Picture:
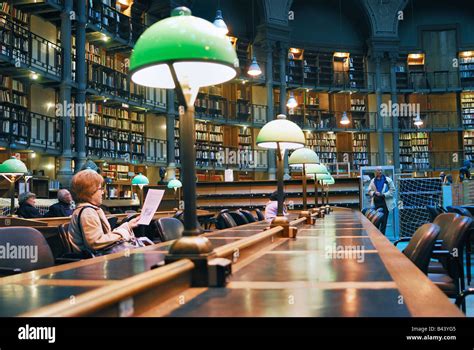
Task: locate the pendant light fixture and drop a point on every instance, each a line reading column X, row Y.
column 254, row 68
column 345, row 119
column 292, row 103
column 219, row 21
column 418, row 121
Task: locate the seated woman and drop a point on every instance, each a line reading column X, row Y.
column 89, row 228
column 27, row 209
column 271, row 208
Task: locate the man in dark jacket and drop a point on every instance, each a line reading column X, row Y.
column 63, row 207
column 27, row 209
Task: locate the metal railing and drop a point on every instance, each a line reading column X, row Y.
column 155, row 150
column 24, row 47
column 114, row 22
column 22, row 127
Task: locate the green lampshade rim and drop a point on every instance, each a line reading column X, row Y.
column 169, row 63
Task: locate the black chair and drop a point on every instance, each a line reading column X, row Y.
column 451, row 278
column 465, row 212
column 238, row 217
column 169, row 229
column 460, row 211
column 377, row 219
column 421, row 245
column 260, row 216
column 248, row 215
column 179, row 215
column 371, row 214
column 364, row 210
column 224, row 220
column 433, row 211
column 26, row 237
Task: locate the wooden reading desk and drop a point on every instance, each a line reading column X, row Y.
column 272, row 276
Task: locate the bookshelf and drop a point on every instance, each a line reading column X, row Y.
column 295, row 66
column 245, row 140
column 324, row 144
column 414, row 151
column 14, row 114
column 468, row 142
column 116, row 132
column 466, row 68
column 467, row 109
column 176, row 141
column 118, row 178
column 356, row 71
column 210, row 103
column 401, row 72
column 360, row 150
column 19, row 17
column 209, row 141
column 359, row 111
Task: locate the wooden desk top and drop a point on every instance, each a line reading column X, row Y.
column 272, row 276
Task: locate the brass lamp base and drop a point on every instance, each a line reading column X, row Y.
column 282, row 221
column 199, row 250
column 306, row 214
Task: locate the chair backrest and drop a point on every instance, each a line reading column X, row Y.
column 238, row 217
column 260, row 216
column 169, row 229
column 421, row 245
column 462, row 211
column 33, row 252
column 364, row 210
column 64, row 238
column 113, row 221
column 370, row 214
column 445, row 221
column 433, row 212
column 179, row 215
column 248, row 215
column 224, row 220
column 377, row 218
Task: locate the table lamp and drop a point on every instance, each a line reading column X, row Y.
column 281, row 134
column 176, row 185
column 12, row 170
column 322, row 178
column 300, row 158
column 327, row 183
column 140, row 181
column 184, row 52
column 316, row 169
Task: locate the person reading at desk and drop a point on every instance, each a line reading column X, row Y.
column 271, row 208
column 27, row 209
column 89, row 229
column 64, row 206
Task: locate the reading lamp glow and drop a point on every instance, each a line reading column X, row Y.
column 280, row 134
column 12, row 170
column 175, row 184
column 184, row 52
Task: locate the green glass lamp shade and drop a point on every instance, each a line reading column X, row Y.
column 283, row 132
column 331, row 181
column 316, row 169
column 199, row 53
column 323, row 177
column 303, row 156
column 140, row 180
column 175, row 183
column 13, row 166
